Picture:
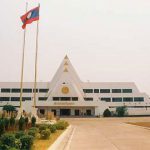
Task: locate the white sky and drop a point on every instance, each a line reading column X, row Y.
column 106, row 40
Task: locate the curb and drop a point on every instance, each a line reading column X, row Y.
column 59, row 139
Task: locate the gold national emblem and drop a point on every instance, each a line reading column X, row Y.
column 65, row 90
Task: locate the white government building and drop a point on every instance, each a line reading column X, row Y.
column 67, row 95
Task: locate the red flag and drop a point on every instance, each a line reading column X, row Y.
column 30, row 16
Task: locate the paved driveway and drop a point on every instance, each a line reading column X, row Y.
column 106, row 134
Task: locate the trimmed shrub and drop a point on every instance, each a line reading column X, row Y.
column 107, row 113
column 42, row 127
column 19, row 134
column 26, row 121
column 121, row 111
column 21, row 123
column 6, row 122
column 2, row 126
column 34, row 128
column 33, row 121
column 17, row 144
column 45, row 134
column 26, row 142
column 32, row 132
column 8, row 139
column 52, row 128
column 12, row 121
column 61, row 125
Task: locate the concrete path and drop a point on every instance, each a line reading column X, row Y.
column 106, row 134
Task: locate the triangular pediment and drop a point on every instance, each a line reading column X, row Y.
column 67, row 79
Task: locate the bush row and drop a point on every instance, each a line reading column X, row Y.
column 24, row 140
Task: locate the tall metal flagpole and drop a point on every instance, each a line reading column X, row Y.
column 22, row 67
column 35, row 75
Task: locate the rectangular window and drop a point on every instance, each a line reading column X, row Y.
column 36, row 90
column 116, row 90
column 88, row 90
column 88, row 99
column 26, row 98
column 65, row 98
column 42, row 98
column 15, row 98
column 43, row 90
column 27, row 90
column 104, row 90
column 5, row 90
column 55, row 98
column 128, row 99
column 74, row 98
column 117, row 99
column 15, row 90
column 106, row 99
column 139, row 99
column 4, row 98
column 96, row 90
column 127, row 90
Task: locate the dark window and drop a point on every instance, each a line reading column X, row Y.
column 116, row 99
column 55, row 98
column 106, row 99
column 15, row 90
column 88, row 99
column 116, row 90
column 128, row 99
column 65, row 98
column 4, row 98
column 138, row 99
column 27, row 90
column 5, row 90
column 43, row 90
column 15, row 98
column 26, row 98
column 127, row 90
column 96, row 90
column 74, row 98
column 42, row 111
column 104, row 90
column 42, row 98
column 88, row 90
column 36, row 90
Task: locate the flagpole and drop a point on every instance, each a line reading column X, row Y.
column 22, row 66
column 36, row 58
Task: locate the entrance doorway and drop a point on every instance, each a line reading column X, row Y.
column 77, row 112
column 88, row 112
column 65, row 112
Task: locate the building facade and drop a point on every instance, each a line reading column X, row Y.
column 67, row 95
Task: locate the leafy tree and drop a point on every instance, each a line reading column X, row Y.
column 107, row 113
column 9, row 108
column 121, row 111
